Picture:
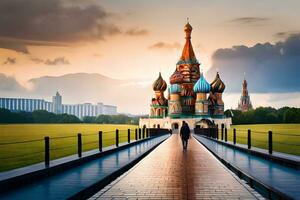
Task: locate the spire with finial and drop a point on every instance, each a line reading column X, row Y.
column 188, row 52
column 245, row 90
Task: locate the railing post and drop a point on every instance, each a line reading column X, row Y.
column 234, row 136
column 136, row 134
column 214, row 132
column 270, row 142
column 117, row 137
column 128, row 135
column 222, row 132
column 147, row 132
column 79, row 145
column 217, row 132
column 140, row 133
column 47, row 151
column 225, row 134
column 249, row 139
column 143, row 133
column 100, row 141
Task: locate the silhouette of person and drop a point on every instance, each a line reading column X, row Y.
column 184, row 134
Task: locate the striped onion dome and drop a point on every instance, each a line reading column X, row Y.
column 175, row 88
column 201, row 86
column 159, row 84
column 217, row 85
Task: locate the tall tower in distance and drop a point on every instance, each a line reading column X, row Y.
column 57, row 103
column 244, row 103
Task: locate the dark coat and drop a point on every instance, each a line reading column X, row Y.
column 185, row 132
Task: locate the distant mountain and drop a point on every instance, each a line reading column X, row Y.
column 74, row 84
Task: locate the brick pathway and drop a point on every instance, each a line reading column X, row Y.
column 171, row 173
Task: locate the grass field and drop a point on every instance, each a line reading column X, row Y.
column 63, row 141
column 286, row 137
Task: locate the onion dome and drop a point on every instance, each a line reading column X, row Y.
column 188, row 28
column 201, row 86
column 176, row 77
column 175, row 88
column 217, row 85
column 159, row 84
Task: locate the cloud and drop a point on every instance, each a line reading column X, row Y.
column 57, row 61
column 137, row 32
column 10, row 61
column 286, row 34
column 37, row 60
column 250, row 20
column 8, row 83
column 268, row 67
column 164, row 45
column 97, row 55
column 52, row 21
column 20, row 45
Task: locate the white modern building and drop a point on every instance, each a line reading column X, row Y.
column 56, row 106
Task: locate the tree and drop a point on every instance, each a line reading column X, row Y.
column 265, row 115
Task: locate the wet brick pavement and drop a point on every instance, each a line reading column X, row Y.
column 171, row 173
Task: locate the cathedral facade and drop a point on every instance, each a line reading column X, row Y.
column 190, row 97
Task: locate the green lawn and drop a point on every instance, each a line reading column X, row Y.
column 286, row 137
column 22, row 154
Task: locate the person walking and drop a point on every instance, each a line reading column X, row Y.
column 185, row 134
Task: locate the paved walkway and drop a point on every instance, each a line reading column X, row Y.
column 171, row 173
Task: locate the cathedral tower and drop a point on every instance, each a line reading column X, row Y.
column 159, row 104
column 245, row 103
column 188, row 67
column 216, row 103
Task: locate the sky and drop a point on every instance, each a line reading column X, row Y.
column 134, row 40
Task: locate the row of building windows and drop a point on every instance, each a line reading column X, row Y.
column 82, row 110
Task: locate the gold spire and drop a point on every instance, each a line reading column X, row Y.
column 188, row 52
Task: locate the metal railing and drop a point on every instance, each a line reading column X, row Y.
column 61, row 146
column 252, row 138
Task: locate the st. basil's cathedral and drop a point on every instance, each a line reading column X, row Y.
column 190, row 97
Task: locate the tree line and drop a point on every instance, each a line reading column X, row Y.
column 260, row 115
column 265, row 115
column 43, row 116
